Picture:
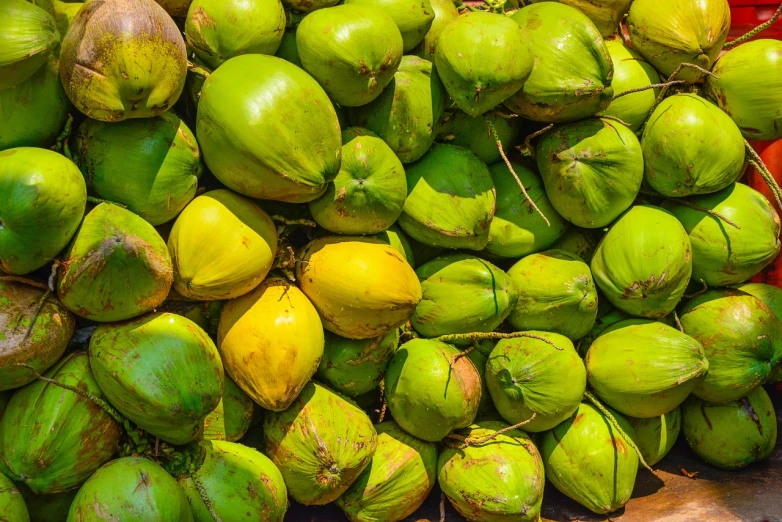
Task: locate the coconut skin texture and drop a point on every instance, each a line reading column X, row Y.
column 12, row 504
column 97, row 51
column 655, row 436
column 397, row 239
column 413, row 17
column 606, row 15
column 731, row 435
column 28, row 35
column 473, row 132
column 233, row 415
column 53, row 439
column 445, row 12
column 48, row 337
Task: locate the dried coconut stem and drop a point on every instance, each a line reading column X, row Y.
column 530, row 137
column 384, row 406
column 478, row 336
column 678, row 322
column 762, row 27
column 614, row 118
column 649, row 87
column 667, row 85
column 464, row 353
column 757, row 162
column 699, row 292
column 23, row 280
column 204, row 496
column 442, row 506
column 704, row 210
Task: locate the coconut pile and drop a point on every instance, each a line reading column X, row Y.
column 257, row 252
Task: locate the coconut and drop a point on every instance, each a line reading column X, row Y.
column 408, row 111
column 217, row 31
column 578, row 241
column 451, row 199
column 397, row 239
column 307, row 6
column 556, row 294
column 722, row 254
column 383, row 290
column 541, row 375
column 131, row 485
column 499, row 480
column 237, row 480
column 53, row 439
column 746, row 84
column 123, row 59
column 518, row 229
column 36, row 330
column 644, row 368
column 44, row 197
column 592, row 170
column 480, row 358
column 151, row 166
column 223, row 245
column 117, row 267
column 462, row 294
column 271, row 341
column 356, row 366
column 369, row 191
column 176, row 8
column 570, row 80
column 644, row 274
column 770, row 295
column 33, row 112
column 353, row 51
column 12, row 504
column 475, row 133
column 161, row 371
column 731, row 435
column 412, row 17
column 606, row 15
column 233, row 415
column 321, row 444
column 483, row 59
column 445, row 12
column 397, row 480
column 288, row 50
column 742, row 339
column 691, row 147
column 655, row 436
column 671, row 32
column 429, row 391
column 589, row 461
column 28, row 35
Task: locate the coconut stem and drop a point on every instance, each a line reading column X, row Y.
column 614, row 118
column 290, row 222
column 384, row 406
column 528, row 140
column 597, row 404
column 464, row 353
column 467, row 442
column 24, row 280
column 197, row 69
column 678, row 322
column 496, row 137
column 479, row 336
column 699, row 292
column 667, row 85
column 757, row 162
column 204, row 497
column 705, row 210
column 61, row 143
column 98, row 201
column 648, row 87
column 442, row 506
column 762, row 27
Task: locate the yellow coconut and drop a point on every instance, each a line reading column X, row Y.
column 271, row 341
column 222, row 246
column 361, row 286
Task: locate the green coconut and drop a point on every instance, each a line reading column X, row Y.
column 321, row 444
column 722, row 254
column 498, row 481
column 33, row 112
column 47, row 508
column 28, row 35
column 655, row 436
column 307, row 6
column 36, row 329
column 240, row 482
column 606, row 15
column 742, row 339
column 397, row 480
column 746, row 84
column 134, row 488
column 150, row 165
column 475, row 133
column 579, row 241
column 691, row 147
column 770, row 295
column 541, row 376
column 117, row 267
column 671, row 32
column 731, row 435
column 394, row 236
column 556, row 294
column 44, row 197
column 517, row 229
column 589, row 461
column 607, row 316
column 356, row 366
column 252, row 129
column 644, row 274
column 412, row 17
column 288, row 50
column 644, row 368
column 592, row 170
column 570, row 80
column 450, row 200
column 445, row 12
column 462, row 294
column 233, row 415
column 408, row 111
column 123, row 59
column 429, row 391
column 369, row 191
column 353, row 51
column 161, row 371
column 631, row 71
column 12, row 504
column 53, row 439
column 483, row 59
column 219, row 30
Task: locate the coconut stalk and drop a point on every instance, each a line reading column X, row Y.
column 762, row 27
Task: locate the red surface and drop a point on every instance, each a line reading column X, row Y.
column 748, row 14
column 771, row 153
